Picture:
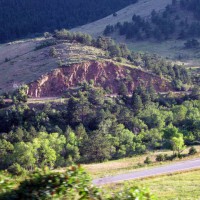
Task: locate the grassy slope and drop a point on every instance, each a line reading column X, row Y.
column 183, row 186
column 26, row 65
column 142, row 8
column 129, row 164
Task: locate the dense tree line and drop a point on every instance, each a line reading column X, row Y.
column 162, row 25
column 90, row 127
column 177, row 74
column 20, row 18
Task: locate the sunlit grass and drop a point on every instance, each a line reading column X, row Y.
column 181, row 186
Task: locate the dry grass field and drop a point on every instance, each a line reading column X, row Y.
column 130, row 164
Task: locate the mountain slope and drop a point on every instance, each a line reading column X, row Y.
column 171, row 48
column 21, row 63
column 50, row 66
column 142, row 8
column 19, row 18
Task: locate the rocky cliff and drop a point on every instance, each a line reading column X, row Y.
column 106, row 74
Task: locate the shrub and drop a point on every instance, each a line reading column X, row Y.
column 180, row 156
column 44, row 44
column 60, row 63
column 73, row 184
column 160, row 157
column 166, row 156
column 64, row 35
column 7, row 59
column 2, row 102
column 47, row 35
column 192, row 151
column 20, row 95
column 54, row 185
column 147, row 160
column 6, row 183
column 133, row 193
column 172, row 157
column 16, row 169
column 53, row 52
column 119, row 59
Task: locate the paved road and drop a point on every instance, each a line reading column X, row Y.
column 180, row 166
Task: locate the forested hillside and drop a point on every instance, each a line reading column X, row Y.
column 90, row 127
column 21, row 17
column 179, row 20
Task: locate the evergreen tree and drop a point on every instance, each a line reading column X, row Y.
column 137, row 103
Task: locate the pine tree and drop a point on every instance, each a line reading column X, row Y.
column 137, row 103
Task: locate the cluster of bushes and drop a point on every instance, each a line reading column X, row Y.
column 106, row 44
column 166, row 157
column 162, row 158
column 73, row 184
column 20, row 94
column 45, row 43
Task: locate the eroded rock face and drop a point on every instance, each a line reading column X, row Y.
column 106, row 74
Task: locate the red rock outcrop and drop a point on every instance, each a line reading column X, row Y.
column 105, row 74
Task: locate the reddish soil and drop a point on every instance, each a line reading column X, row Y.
column 106, row 74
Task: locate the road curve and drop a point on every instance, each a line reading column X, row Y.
column 176, row 167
